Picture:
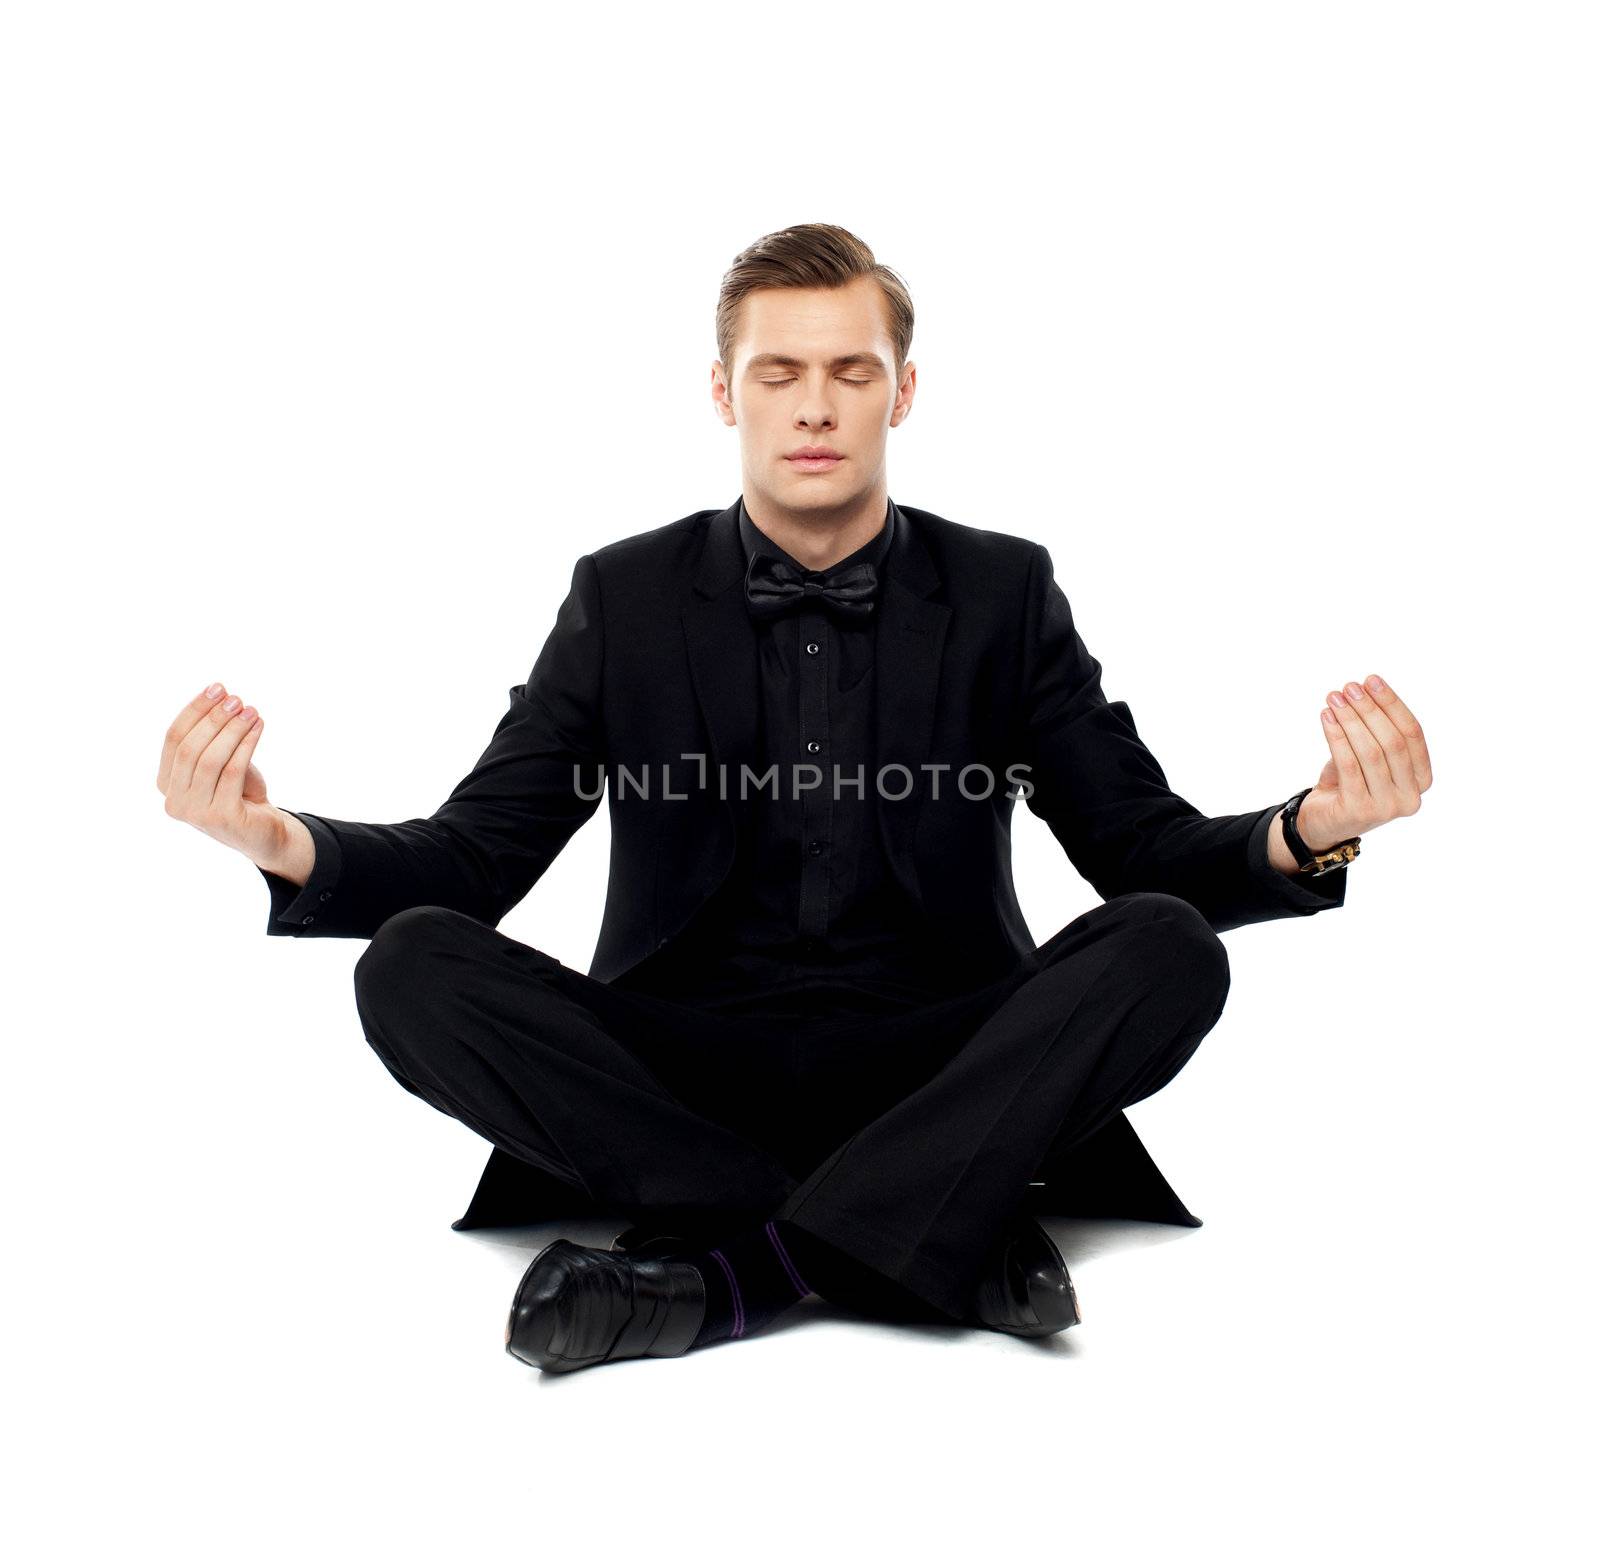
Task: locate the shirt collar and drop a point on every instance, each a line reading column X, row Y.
column 876, row 550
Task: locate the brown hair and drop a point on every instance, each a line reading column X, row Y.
column 815, row 254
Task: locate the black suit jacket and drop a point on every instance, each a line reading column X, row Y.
column 649, row 676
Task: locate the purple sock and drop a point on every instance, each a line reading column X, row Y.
column 750, row 1277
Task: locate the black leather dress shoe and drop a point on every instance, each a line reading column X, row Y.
column 1025, row 1287
column 581, row 1305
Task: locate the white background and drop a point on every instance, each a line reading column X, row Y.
column 334, row 334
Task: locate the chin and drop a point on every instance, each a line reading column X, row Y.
column 822, row 497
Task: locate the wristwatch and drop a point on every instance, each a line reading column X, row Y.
column 1336, row 857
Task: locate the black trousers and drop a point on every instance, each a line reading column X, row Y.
column 899, row 1143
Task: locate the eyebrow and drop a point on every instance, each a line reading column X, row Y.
column 772, row 359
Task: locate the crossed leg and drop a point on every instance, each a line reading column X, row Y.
column 616, row 1092
column 946, row 1111
column 1101, row 1015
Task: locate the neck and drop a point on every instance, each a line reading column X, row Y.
column 818, row 537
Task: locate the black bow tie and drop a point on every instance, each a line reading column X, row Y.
column 772, row 586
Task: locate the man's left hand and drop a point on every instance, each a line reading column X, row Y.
column 1379, row 767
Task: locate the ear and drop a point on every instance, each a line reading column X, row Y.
column 722, row 395
column 904, row 394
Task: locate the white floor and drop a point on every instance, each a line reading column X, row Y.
column 238, row 1320
column 330, row 1385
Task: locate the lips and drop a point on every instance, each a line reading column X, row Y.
column 813, row 455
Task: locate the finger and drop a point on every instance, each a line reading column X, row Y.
column 1393, row 743
column 1352, row 785
column 230, row 780
column 189, row 749
column 181, row 725
column 209, row 765
column 1401, row 716
column 1378, row 785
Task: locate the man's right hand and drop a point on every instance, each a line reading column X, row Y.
column 209, row 782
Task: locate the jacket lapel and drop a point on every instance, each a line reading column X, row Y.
column 721, row 642
column 909, row 649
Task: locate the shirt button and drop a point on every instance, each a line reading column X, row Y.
column 324, row 896
column 811, row 647
column 813, row 746
column 816, row 847
column 308, row 919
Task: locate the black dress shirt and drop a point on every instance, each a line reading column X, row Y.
column 810, row 915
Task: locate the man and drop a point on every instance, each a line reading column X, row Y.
column 817, row 1049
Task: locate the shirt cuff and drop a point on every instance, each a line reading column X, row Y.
column 295, row 908
column 1299, row 893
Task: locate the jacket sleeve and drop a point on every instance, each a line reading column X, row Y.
column 1107, row 801
column 482, row 851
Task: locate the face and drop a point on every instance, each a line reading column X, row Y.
column 814, row 369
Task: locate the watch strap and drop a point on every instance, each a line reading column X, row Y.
column 1336, row 857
